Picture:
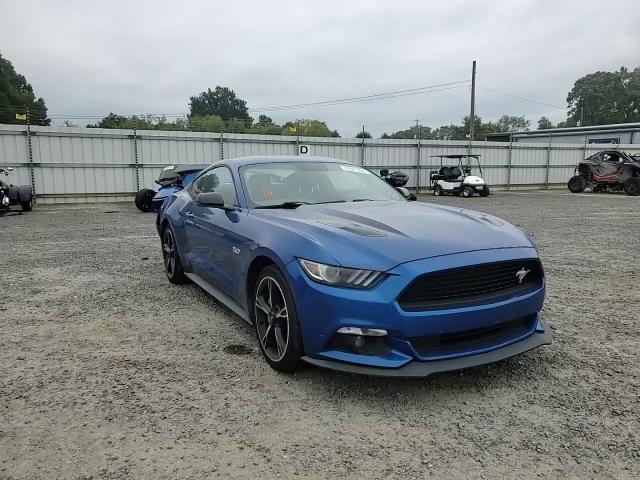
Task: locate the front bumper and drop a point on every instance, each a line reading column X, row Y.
column 323, row 310
column 424, row 369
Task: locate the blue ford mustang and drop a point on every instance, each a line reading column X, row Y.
column 334, row 267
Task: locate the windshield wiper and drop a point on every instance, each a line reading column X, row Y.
column 290, row 205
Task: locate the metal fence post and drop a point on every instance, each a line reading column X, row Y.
column 297, row 139
column 222, row 142
column 509, row 160
column 362, row 152
column 584, row 148
column 546, row 180
column 32, row 176
column 419, row 152
column 135, row 152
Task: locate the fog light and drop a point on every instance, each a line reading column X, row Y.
column 359, row 342
column 363, row 341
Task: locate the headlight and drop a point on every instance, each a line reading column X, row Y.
column 340, row 276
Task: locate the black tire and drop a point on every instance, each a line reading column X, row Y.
column 143, row 199
column 171, row 257
column 632, row 186
column 27, row 206
column 268, row 320
column 466, row 191
column 485, row 191
column 577, row 184
column 438, row 191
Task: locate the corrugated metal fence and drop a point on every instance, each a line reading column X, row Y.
column 89, row 164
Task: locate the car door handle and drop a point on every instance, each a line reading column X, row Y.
column 189, row 214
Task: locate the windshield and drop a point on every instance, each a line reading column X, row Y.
column 272, row 184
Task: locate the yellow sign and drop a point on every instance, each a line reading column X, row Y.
column 21, row 116
column 292, row 129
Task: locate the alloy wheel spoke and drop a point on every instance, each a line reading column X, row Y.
column 262, row 305
column 263, row 340
column 281, row 342
column 282, row 313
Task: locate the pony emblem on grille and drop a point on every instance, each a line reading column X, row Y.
column 520, row 274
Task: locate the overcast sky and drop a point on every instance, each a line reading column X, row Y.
column 92, row 58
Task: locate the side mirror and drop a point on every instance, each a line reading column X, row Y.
column 407, row 194
column 9, row 169
column 211, row 199
column 384, row 172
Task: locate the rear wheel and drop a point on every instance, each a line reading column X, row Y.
column 577, row 184
column 143, row 199
column 632, row 186
column 276, row 321
column 172, row 263
column 485, row 191
column 466, row 191
column 27, row 206
column 437, row 190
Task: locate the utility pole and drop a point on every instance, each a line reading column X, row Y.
column 472, row 118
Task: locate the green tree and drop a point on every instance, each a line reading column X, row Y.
column 544, row 123
column 508, row 123
column 605, row 97
column 205, row 123
column 310, row 128
column 16, row 96
column 266, row 126
column 363, row 134
column 411, row 132
column 222, row 102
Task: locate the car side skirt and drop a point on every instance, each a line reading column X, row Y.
column 220, row 296
column 418, row 368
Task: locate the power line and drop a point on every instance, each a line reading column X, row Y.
column 521, row 98
column 363, row 98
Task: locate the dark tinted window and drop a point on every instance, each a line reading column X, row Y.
column 217, row 180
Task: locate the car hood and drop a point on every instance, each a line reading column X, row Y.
column 381, row 235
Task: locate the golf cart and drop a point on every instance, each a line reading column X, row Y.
column 458, row 179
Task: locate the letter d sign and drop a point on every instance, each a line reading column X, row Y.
column 303, row 149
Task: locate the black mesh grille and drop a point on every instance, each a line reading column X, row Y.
column 474, row 339
column 472, row 284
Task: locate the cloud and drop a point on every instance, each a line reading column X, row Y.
column 88, row 58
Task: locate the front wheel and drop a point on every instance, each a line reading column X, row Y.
column 437, row 190
column 485, row 191
column 172, row 262
column 27, row 206
column 632, row 186
column 466, row 191
column 276, row 321
column 144, row 199
column 577, row 184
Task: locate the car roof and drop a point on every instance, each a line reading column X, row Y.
column 250, row 160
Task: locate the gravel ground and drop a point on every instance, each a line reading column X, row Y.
column 95, row 382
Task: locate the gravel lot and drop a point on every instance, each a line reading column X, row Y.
column 97, row 382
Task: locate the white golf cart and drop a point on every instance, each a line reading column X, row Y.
column 458, row 179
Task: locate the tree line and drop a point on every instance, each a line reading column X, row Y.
column 596, row 99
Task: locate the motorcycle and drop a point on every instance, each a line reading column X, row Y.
column 398, row 180
column 172, row 179
column 395, row 179
column 11, row 195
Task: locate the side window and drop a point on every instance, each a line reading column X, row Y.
column 217, row 180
